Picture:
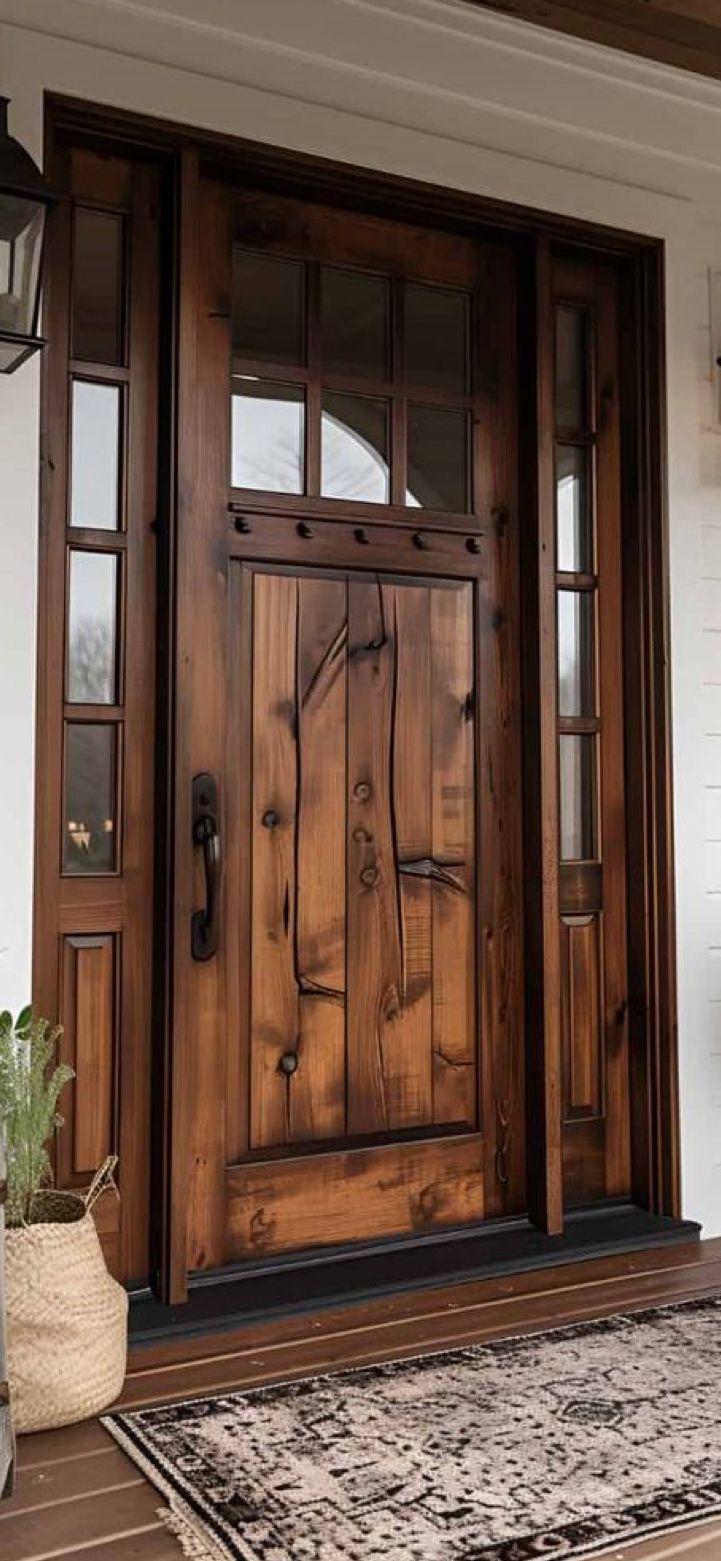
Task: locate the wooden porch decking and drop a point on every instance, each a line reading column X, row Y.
column 78, row 1495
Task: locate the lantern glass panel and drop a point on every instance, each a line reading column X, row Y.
column 21, row 241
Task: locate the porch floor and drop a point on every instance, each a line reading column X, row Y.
column 78, row 1495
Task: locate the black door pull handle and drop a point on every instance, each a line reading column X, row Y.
column 205, row 923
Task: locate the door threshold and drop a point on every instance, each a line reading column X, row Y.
column 227, row 1298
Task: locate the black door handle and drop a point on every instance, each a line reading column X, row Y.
column 205, row 923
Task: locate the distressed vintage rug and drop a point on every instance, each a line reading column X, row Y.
column 554, row 1445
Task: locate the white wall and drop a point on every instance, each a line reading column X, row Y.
column 442, row 91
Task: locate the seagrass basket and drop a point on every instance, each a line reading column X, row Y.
column 66, row 1316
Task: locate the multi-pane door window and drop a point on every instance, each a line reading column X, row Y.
column 350, row 386
column 96, row 537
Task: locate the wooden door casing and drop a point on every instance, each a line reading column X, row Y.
column 93, row 935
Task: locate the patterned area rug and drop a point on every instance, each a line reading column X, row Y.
column 553, row 1445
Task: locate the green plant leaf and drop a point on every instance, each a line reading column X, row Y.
column 23, row 1019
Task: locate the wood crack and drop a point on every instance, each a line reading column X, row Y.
column 432, row 867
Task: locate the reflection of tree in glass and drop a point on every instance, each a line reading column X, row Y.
column 91, row 663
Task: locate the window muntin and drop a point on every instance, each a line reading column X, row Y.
column 382, row 369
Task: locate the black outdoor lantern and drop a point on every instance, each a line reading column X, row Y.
column 25, row 197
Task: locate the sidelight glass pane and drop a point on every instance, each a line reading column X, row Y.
column 354, row 448
column 354, row 323
column 94, row 499
column 98, row 285
column 90, row 792
column 574, row 525
column 571, row 367
column 436, row 337
column 438, row 474
column 267, row 435
column 92, row 628
column 268, row 308
column 575, row 654
column 577, row 789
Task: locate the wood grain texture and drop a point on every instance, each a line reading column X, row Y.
column 353, row 1195
column 581, row 1010
column 103, row 1005
column 317, row 1090
column 454, row 992
column 684, row 33
column 88, row 1015
column 274, row 989
column 375, row 976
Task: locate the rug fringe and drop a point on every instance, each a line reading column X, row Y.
column 194, row 1541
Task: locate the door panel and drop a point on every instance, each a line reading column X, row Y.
column 360, row 876
column 353, row 1195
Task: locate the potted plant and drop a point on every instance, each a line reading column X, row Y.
column 66, row 1316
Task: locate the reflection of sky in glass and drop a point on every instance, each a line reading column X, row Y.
column 96, row 428
column 352, row 467
column 575, row 655
column 267, row 438
column 571, row 513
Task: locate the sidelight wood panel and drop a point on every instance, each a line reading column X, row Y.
column 581, row 1011
column 323, row 1200
column 88, row 1016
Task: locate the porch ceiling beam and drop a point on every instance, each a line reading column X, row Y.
column 684, row 33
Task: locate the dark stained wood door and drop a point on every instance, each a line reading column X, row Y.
column 349, row 1064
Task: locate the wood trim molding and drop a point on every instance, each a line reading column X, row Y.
column 641, row 260
column 683, row 33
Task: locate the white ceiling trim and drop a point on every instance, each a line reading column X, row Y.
column 442, row 67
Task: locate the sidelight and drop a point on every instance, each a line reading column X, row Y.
column 574, row 520
column 98, row 293
column 572, row 387
column 576, row 693
column 92, row 628
column 89, row 834
column 95, row 456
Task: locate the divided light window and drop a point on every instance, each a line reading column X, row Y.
column 350, row 386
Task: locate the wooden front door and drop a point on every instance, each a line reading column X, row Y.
column 351, row 869
column 348, row 804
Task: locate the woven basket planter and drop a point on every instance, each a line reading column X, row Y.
column 66, row 1317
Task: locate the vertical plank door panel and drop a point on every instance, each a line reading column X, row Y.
column 374, row 937
column 453, row 855
column 274, row 990
column 316, row 1090
column 409, row 1081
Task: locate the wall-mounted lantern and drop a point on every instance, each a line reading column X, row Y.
column 25, row 198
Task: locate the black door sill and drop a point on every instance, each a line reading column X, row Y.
column 228, row 1298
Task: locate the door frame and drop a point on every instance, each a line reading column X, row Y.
column 652, row 987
